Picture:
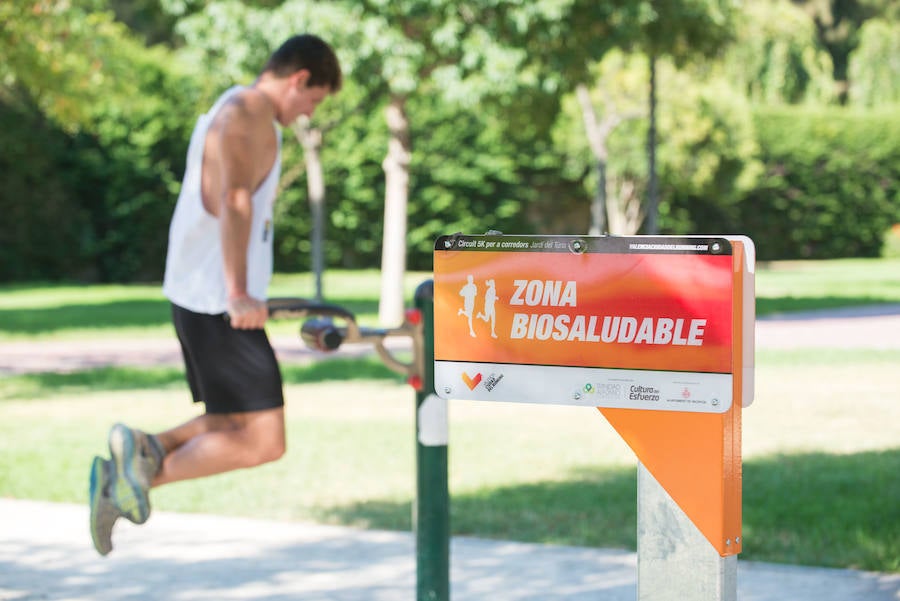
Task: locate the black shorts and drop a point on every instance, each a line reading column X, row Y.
column 231, row 371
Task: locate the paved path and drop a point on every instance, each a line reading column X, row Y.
column 873, row 327
column 45, row 554
column 73, row 355
column 876, row 327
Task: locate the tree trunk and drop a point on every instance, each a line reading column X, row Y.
column 396, row 196
column 597, row 142
column 625, row 211
column 610, row 212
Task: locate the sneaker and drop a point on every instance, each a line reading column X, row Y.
column 104, row 513
column 136, row 461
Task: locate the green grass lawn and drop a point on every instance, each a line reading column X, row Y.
column 821, row 442
column 35, row 312
column 821, row 456
column 810, row 285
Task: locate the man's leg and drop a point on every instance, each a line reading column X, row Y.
column 206, row 445
column 216, row 443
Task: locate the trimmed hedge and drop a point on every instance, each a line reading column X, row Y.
column 47, row 233
column 831, row 186
column 96, row 207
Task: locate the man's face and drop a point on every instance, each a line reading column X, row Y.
column 303, row 99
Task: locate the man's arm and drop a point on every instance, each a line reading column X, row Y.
column 241, row 142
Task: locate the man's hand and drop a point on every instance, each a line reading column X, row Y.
column 247, row 313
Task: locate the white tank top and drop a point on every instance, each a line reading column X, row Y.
column 195, row 271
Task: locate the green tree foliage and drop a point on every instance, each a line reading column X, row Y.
column 146, row 19
column 708, row 156
column 777, row 57
column 685, row 30
column 837, row 25
column 399, row 49
column 229, row 42
column 94, row 124
column 875, row 65
column 463, row 178
column 62, row 56
column 114, row 117
column 44, row 233
column 354, row 201
column 562, row 39
column 580, row 34
column 135, row 156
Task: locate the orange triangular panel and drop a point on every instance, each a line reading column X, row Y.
column 691, row 456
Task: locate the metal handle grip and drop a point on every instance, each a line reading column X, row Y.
column 300, row 307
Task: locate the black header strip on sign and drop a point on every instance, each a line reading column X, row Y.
column 668, row 245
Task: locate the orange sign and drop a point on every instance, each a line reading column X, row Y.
column 621, row 323
column 615, row 322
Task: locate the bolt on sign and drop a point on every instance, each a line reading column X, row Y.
column 655, row 331
column 626, row 322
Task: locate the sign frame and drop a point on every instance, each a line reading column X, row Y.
column 464, row 371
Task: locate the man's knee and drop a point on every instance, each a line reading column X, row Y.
column 258, row 453
column 262, row 436
column 265, row 448
column 272, row 451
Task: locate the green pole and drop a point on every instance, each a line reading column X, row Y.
column 431, row 510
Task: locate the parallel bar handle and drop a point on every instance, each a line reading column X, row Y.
column 301, row 307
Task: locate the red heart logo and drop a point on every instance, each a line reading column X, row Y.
column 471, row 382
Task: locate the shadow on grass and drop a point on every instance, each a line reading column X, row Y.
column 45, row 384
column 812, row 508
column 116, row 314
column 824, row 509
column 154, row 313
column 789, row 304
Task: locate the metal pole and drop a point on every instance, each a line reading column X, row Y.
column 318, row 250
column 652, row 186
column 675, row 561
column 598, row 208
column 431, row 510
column 311, row 139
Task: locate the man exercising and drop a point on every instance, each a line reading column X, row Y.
column 218, row 266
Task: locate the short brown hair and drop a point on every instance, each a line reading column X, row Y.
column 309, row 52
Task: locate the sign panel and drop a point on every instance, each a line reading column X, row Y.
column 625, row 322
